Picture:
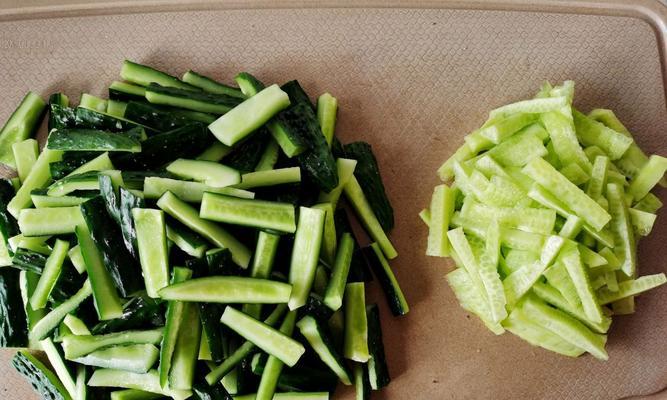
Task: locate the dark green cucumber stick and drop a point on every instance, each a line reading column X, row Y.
column 91, row 119
column 123, row 91
column 20, row 126
column 144, row 75
column 13, row 329
column 211, row 86
column 195, row 101
column 91, row 140
column 59, row 112
column 368, row 176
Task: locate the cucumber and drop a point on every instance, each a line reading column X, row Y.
column 186, row 240
column 49, row 221
column 152, row 245
column 263, row 336
column 274, row 366
column 91, row 102
column 272, row 177
column 38, row 177
column 144, row 75
column 211, row 231
column 647, row 177
column 90, row 119
column 139, row 313
column 229, row 289
column 87, row 181
column 50, row 275
column 378, row 372
column 290, row 396
column 333, row 297
column 345, row 169
column 216, row 152
column 624, row 237
column 361, row 381
column 390, row 287
column 440, row 214
column 20, row 126
column 630, row 288
column 235, row 125
column 58, row 364
column 327, row 105
column 25, row 156
column 148, row 382
column 13, row 321
column 124, row 91
column 51, row 320
column 133, row 394
column 182, row 371
column 319, row 340
column 254, row 213
column 190, row 100
column 209, row 173
column 269, row 158
column 191, row 192
column 154, row 117
column 305, row 253
column 356, row 325
column 262, row 264
column 91, row 140
column 41, row 199
column 209, row 85
column 42, row 379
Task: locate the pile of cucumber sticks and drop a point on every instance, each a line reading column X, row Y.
column 185, row 239
column 543, row 218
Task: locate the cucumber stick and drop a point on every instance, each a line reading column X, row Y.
column 272, row 177
column 441, row 211
column 182, row 371
column 144, row 75
column 50, row 221
column 51, row 320
column 345, row 168
column 356, row 325
column 262, row 265
column 305, row 254
column 92, row 140
column 327, row 106
column 152, row 245
column 263, row 336
column 209, row 173
column 274, row 366
column 254, row 213
column 49, row 275
column 382, row 270
column 236, row 124
column 333, row 296
column 38, row 177
column 59, row 367
column 20, row 126
column 25, row 156
column 191, row 192
column 174, row 322
column 149, row 382
column 189, row 216
column 138, row 358
column 228, row 289
column 318, row 339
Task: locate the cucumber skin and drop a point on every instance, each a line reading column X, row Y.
column 13, row 321
column 42, row 379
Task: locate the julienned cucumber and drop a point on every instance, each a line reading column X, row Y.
column 129, row 189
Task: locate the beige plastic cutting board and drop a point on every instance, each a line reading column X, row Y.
column 412, row 80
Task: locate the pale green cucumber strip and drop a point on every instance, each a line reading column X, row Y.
column 245, row 118
column 356, row 327
column 631, row 287
column 333, row 297
column 642, row 221
column 137, row 358
column 39, row 177
column 45, row 201
column 50, row 274
column 269, row 157
column 152, row 245
column 575, row 174
column 516, row 259
column 573, row 197
column 149, row 382
column 93, row 103
column 189, row 216
column 262, row 264
column 25, row 156
column 519, row 282
column 532, row 106
column 204, row 353
column 363, row 209
column 470, row 299
column 35, row 243
column 535, row 220
column 51, row 320
column 99, row 163
column 624, row 236
column 523, row 327
column 552, row 296
column 565, row 326
column 310, row 329
column 228, row 289
column 650, row 204
column 598, row 181
column 105, row 295
column 271, row 177
column 173, row 323
column 522, row 147
column 49, row 221
column 594, row 133
column 425, row 216
column 195, row 248
column 345, row 168
column 221, row 371
column 58, row 365
column 441, row 211
column 77, row 326
column 329, row 235
column 446, row 170
column 321, row 280
column 255, row 213
column 572, row 227
column 209, row 173
column 575, row 268
column 612, row 281
column 274, row 366
column 76, row 346
column 305, row 254
column 191, row 192
column 558, row 277
column 20, row 125
column 478, row 142
column 506, row 127
column 288, row 396
column 216, row 152
column 263, row 336
column 625, row 306
column 513, row 238
column 648, row 176
column 562, row 134
column 489, row 166
column 134, row 394
column 81, row 378
column 76, row 258
column 182, row 371
column 327, row 105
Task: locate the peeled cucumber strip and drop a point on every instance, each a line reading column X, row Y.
column 137, row 358
column 471, row 299
column 642, row 221
column 152, row 245
column 76, row 346
column 532, row 106
column 598, row 182
column 512, row 238
column 565, row 143
column 133, row 394
column 440, row 213
column 254, row 213
column 49, row 221
column 77, row 326
column 522, row 326
column 631, row 287
column 478, row 142
column 594, row 133
column 530, row 219
column 39, row 177
column 576, row 200
column 148, row 382
column 191, row 192
column 650, row 204
column 25, row 156
column 558, row 277
column 647, row 177
column 289, row 396
column 356, row 327
column 506, row 127
column 50, row 274
column 173, row 323
column 572, row 227
column 575, row 174
column 575, row 268
column 228, row 289
column 568, row 328
column 624, row 237
column 305, row 254
column 209, row 173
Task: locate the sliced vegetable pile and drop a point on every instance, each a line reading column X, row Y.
column 185, row 238
column 542, row 219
